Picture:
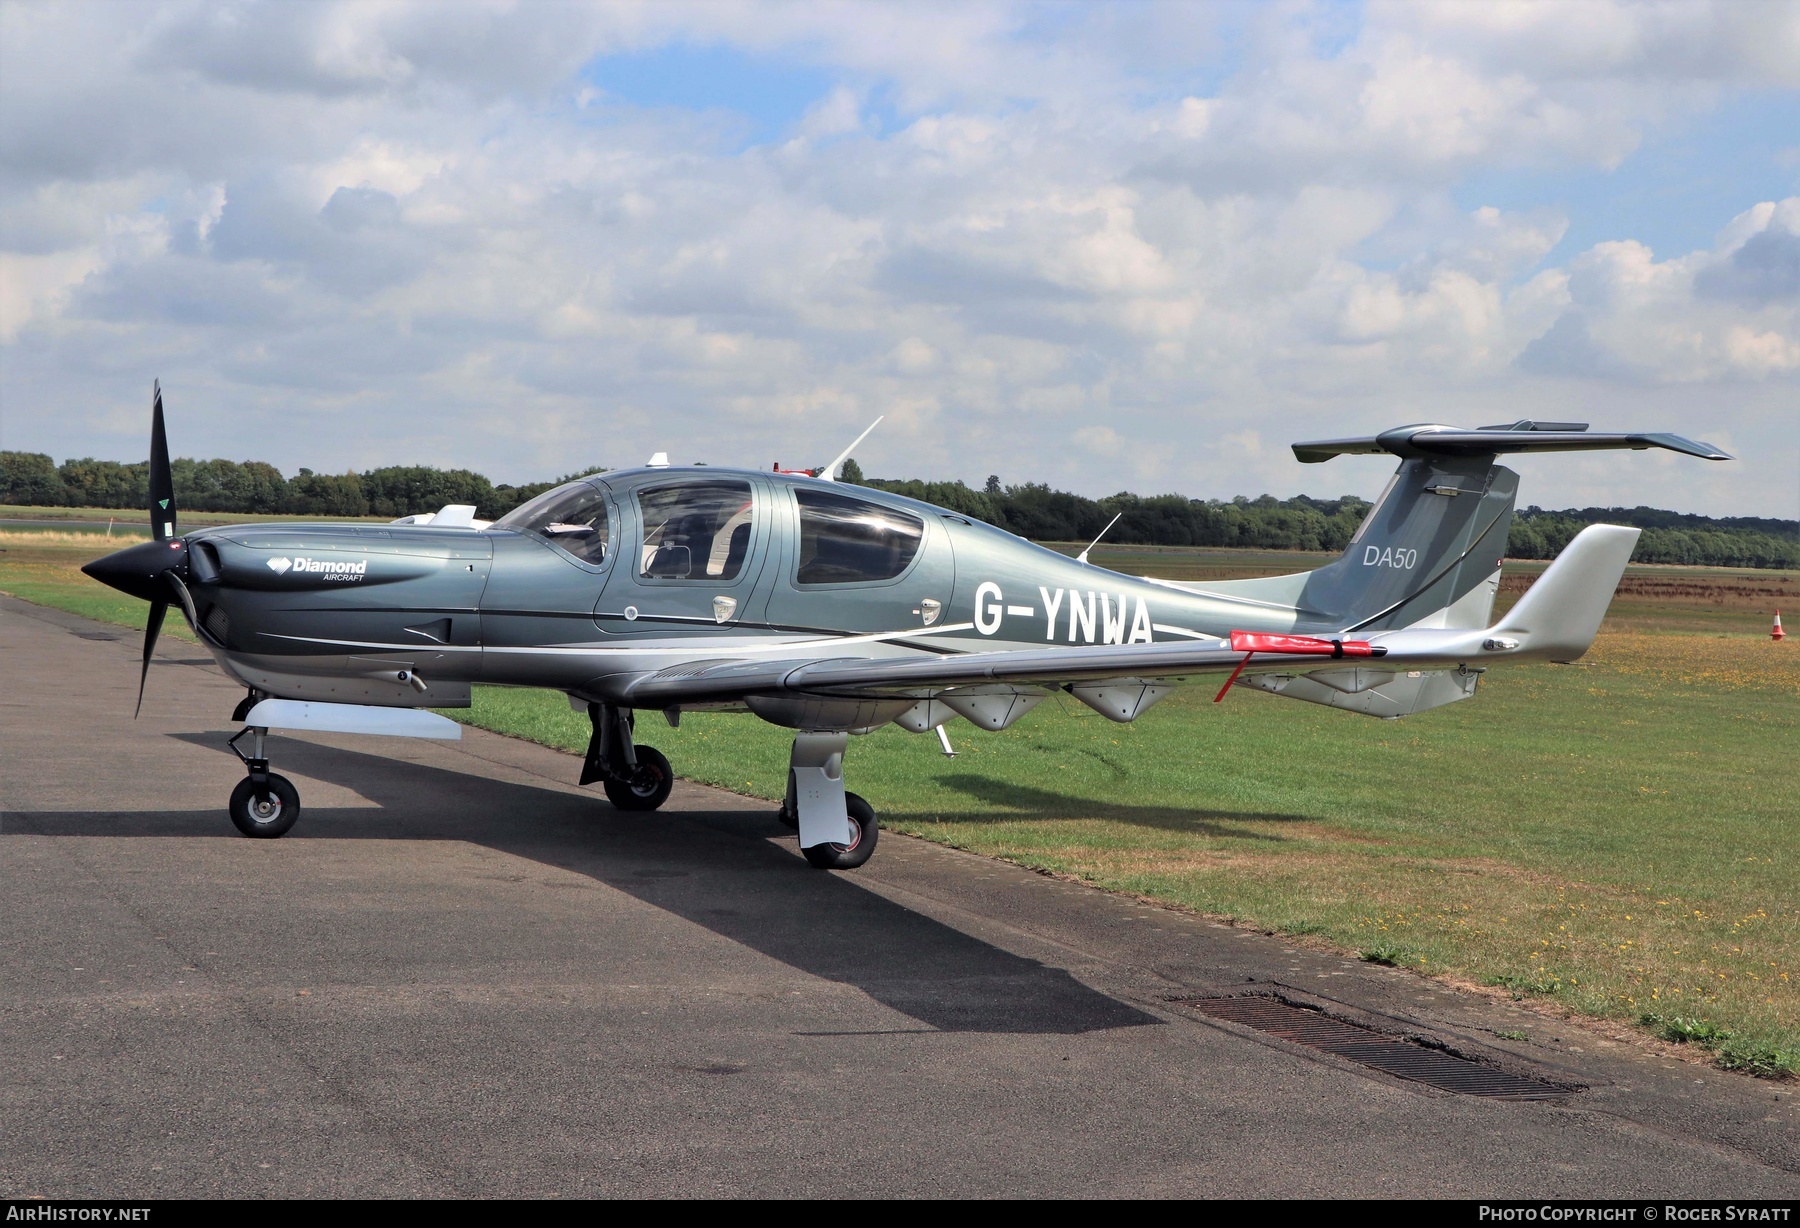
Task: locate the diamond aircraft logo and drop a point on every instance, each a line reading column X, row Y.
column 336, row 571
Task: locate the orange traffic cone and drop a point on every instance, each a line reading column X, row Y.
column 1775, row 632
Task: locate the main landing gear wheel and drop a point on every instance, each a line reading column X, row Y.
column 644, row 787
column 848, row 856
column 269, row 816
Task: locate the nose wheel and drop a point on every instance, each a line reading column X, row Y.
column 270, row 814
column 265, row 804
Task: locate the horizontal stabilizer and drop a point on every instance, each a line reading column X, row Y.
column 1428, row 441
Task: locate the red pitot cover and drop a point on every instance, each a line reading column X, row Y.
column 1307, row 645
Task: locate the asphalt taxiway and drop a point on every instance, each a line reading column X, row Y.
column 462, row 975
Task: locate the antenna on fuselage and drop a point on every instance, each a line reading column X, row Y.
column 1082, row 557
column 829, row 472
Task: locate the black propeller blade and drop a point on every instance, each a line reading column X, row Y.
column 152, row 629
column 162, row 481
column 162, row 528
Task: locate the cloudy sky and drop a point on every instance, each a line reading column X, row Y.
column 1135, row 246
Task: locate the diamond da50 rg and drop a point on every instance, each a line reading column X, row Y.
column 832, row 610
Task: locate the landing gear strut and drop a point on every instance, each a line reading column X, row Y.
column 837, row 829
column 634, row 777
column 265, row 804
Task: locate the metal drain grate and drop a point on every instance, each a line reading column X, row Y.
column 1391, row 1055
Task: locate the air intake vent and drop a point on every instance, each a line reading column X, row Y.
column 203, row 563
column 217, row 623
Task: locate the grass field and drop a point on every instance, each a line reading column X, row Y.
column 1617, row 838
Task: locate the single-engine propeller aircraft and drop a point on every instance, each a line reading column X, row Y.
column 833, row 610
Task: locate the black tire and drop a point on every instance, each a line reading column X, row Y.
column 849, row 856
column 265, row 820
column 648, row 787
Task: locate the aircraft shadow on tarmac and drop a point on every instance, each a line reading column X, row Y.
column 717, row 869
column 1027, row 805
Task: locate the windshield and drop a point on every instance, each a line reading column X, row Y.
column 572, row 518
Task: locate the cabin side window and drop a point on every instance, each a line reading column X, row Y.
column 572, row 518
column 845, row 540
column 695, row 530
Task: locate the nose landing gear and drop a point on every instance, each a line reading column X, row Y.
column 264, row 804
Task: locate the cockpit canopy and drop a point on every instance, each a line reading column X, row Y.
column 701, row 529
column 573, row 518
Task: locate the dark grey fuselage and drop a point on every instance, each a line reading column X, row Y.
column 339, row 612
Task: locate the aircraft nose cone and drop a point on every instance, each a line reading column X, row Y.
column 138, row 569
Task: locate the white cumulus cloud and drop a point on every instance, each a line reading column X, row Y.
column 1103, row 246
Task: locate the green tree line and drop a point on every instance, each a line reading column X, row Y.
column 34, row 479
column 1032, row 510
column 1668, row 537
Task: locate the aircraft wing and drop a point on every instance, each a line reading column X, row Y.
column 1556, row 620
column 701, row 682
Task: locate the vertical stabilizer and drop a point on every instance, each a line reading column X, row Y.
column 1428, row 553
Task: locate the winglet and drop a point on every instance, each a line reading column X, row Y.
column 1559, row 616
